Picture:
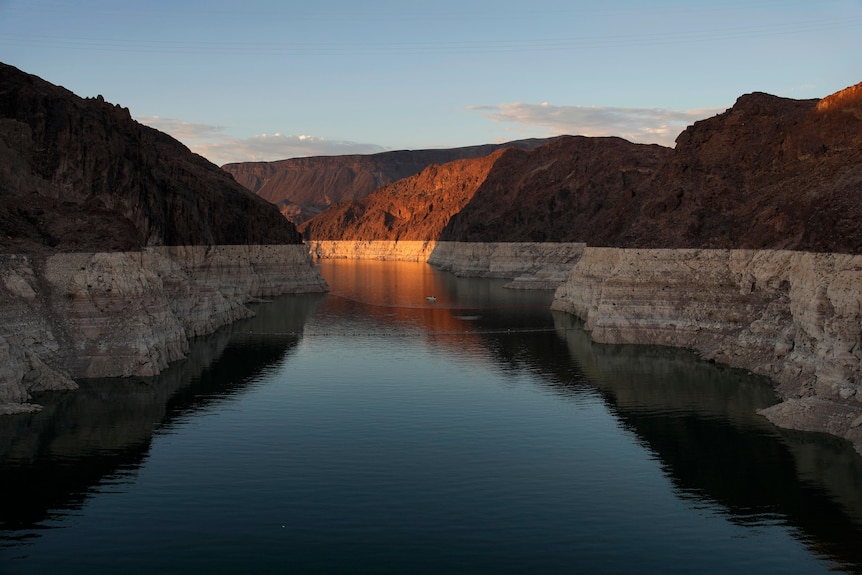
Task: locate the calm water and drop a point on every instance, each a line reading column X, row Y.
column 371, row 431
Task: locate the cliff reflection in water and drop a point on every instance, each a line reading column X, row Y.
column 699, row 420
column 50, row 461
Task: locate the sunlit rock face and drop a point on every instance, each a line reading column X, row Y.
column 792, row 316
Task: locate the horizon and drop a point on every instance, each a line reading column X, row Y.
column 266, row 81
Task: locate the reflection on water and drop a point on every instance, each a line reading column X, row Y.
column 105, row 428
column 378, row 428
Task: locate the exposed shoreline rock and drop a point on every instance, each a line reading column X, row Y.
column 116, row 314
column 795, row 317
column 530, row 265
column 394, row 250
column 791, row 316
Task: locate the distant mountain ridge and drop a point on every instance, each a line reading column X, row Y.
column 304, row 187
column 769, row 173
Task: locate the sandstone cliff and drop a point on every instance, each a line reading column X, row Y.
column 304, row 187
column 791, row 316
column 117, row 244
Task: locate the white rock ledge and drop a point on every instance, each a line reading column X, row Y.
column 795, row 317
column 77, row 315
column 531, row 265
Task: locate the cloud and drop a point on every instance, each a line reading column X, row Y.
column 642, row 125
column 213, row 143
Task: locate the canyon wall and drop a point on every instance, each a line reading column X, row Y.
column 79, row 315
column 795, row 317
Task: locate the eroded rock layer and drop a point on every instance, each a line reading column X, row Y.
column 73, row 315
column 792, row 316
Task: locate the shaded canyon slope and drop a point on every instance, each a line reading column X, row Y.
column 769, row 172
column 79, row 174
column 304, row 187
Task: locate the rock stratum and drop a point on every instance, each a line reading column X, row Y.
column 117, row 244
column 304, row 187
column 792, row 316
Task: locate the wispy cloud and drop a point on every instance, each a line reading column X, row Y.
column 213, row 143
column 642, row 125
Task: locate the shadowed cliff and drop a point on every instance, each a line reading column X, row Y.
column 80, row 175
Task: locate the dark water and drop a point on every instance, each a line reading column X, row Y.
column 371, row 431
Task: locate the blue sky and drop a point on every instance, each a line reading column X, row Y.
column 265, row 80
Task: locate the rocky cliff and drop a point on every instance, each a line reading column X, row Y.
column 769, row 173
column 556, row 192
column 117, row 244
column 304, row 187
column 792, row 316
column 80, row 174
column 417, row 208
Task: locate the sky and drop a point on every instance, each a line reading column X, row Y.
column 263, row 80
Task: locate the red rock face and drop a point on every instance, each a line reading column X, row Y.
column 304, row 187
column 768, row 173
column 80, row 175
column 414, row 208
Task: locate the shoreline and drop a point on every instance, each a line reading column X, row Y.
column 793, row 317
column 120, row 314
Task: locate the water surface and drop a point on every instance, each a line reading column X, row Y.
column 370, row 430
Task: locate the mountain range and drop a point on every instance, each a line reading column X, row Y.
column 770, row 172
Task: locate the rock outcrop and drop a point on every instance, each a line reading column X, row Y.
column 80, row 175
column 413, row 209
column 792, row 316
column 532, row 265
column 304, row 187
column 116, row 314
column 117, row 244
